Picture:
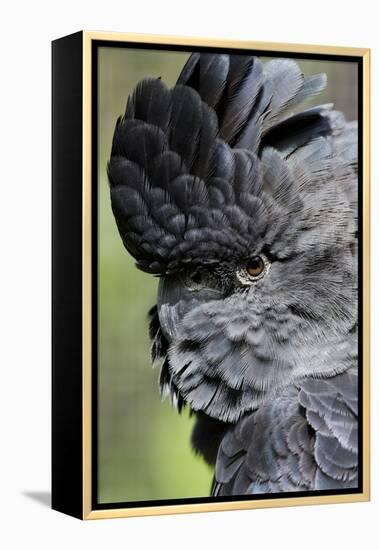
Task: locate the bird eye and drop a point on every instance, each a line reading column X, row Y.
column 255, row 269
column 255, row 266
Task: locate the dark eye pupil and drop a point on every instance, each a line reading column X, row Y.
column 255, row 266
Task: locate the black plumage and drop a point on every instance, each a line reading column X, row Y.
column 221, row 169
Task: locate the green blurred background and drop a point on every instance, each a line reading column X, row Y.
column 144, row 451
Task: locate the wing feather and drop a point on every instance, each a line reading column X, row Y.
column 293, row 442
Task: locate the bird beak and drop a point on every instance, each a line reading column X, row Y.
column 175, row 300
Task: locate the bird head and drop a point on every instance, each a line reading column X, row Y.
column 247, row 215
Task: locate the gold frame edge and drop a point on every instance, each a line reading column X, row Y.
column 87, row 279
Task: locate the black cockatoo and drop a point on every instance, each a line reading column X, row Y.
column 245, row 206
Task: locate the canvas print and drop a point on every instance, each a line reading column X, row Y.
column 227, row 259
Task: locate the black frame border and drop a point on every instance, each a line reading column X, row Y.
column 67, row 254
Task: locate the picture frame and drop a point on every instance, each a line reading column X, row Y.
column 75, row 273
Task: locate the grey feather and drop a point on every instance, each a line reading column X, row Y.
column 284, row 450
